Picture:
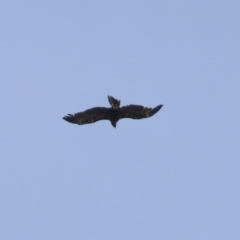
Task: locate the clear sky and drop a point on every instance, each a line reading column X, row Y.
column 174, row 176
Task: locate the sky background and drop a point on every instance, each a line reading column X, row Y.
column 174, row 176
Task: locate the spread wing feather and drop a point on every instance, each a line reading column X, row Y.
column 89, row 116
column 137, row 111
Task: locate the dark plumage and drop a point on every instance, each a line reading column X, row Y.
column 113, row 114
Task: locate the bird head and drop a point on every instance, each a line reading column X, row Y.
column 114, row 124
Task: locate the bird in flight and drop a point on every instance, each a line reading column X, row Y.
column 113, row 114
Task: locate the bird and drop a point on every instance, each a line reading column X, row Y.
column 113, row 114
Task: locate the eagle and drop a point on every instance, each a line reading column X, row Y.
column 113, row 114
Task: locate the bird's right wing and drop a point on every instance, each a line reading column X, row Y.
column 137, row 111
column 89, row 116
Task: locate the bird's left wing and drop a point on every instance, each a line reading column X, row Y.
column 89, row 116
column 137, row 111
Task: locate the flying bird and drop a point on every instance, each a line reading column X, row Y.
column 113, row 114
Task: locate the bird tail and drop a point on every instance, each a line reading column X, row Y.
column 155, row 110
column 114, row 102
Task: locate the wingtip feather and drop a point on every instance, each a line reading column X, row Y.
column 156, row 109
column 69, row 118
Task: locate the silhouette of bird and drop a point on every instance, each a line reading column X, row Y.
column 113, row 114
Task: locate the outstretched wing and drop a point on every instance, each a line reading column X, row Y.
column 137, row 111
column 89, row 116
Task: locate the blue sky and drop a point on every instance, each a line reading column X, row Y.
column 172, row 176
